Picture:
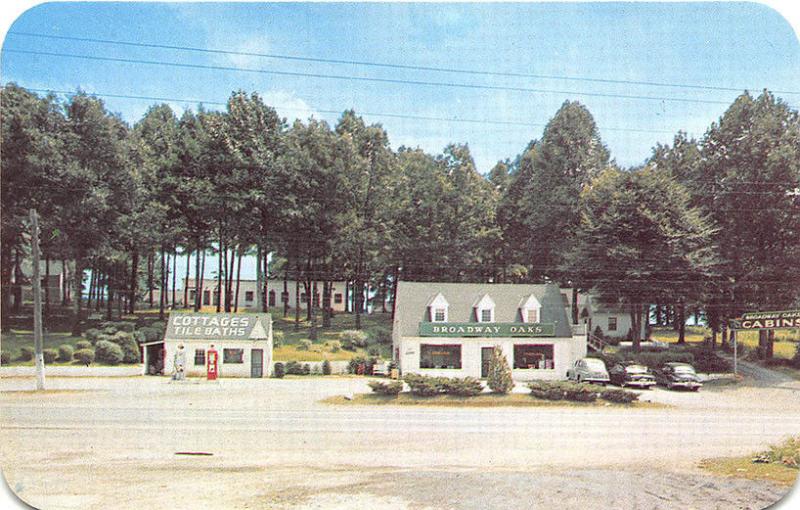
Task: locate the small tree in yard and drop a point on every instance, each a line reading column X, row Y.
column 499, row 373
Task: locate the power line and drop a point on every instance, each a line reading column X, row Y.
column 337, row 112
column 396, row 81
column 300, row 58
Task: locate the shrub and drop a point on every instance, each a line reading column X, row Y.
column 160, row 326
column 579, row 392
column 326, row 367
column 374, row 351
column 466, row 387
column 335, row 345
column 83, row 344
column 707, row 360
column 353, row 339
column 619, row 396
column 545, row 390
column 306, row 369
column 49, row 355
column 280, row 371
column 65, row 352
column 499, row 379
column 108, row 352
column 360, row 361
column 130, row 349
column 151, row 334
column 294, row 368
column 277, row 338
column 423, row 386
column 84, row 356
column 304, row 345
column 5, row 358
column 25, row 354
column 127, row 327
column 92, row 335
column 795, row 361
column 598, row 332
column 386, row 388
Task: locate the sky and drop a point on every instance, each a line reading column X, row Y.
column 523, row 62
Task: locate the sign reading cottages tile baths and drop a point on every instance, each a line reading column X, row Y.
column 216, row 326
column 488, row 329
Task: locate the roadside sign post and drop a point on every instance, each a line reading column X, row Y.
column 756, row 321
column 735, row 353
column 37, row 302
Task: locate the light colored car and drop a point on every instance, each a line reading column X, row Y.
column 590, row 370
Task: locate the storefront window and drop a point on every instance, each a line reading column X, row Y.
column 337, row 298
column 199, row 357
column 233, row 355
column 533, row 357
column 439, row 356
column 612, row 323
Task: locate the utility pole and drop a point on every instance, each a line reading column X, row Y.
column 37, row 303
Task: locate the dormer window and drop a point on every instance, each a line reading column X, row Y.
column 530, row 309
column 437, row 308
column 484, row 309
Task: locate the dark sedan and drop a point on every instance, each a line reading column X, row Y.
column 631, row 374
column 678, row 375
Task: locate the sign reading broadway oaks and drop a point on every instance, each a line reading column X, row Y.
column 217, row 326
column 788, row 319
column 488, row 329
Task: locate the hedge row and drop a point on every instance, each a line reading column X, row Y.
column 579, row 392
column 296, row 368
column 425, row 386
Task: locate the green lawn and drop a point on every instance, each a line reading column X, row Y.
column 15, row 340
column 785, row 340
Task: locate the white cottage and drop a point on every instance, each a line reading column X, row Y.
column 243, row 341
column 451, row 329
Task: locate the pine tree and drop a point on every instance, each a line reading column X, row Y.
column 499, row 372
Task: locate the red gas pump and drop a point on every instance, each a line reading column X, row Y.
column 211, row 364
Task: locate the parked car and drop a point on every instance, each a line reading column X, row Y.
column 678, row 375
column 631, row 374
column 591, row 370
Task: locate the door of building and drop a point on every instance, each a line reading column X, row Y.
column 256, row 363
column 486, row 359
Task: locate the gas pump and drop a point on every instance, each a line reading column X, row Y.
column 211, row 364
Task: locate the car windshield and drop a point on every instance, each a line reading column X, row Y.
column 595, row 364
column 684, row 369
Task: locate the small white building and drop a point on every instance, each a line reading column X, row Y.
column 243, row 341
column 451, row 329
column 613, row 321
column 247, row 297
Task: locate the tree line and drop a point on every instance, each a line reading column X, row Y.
column 704, row 226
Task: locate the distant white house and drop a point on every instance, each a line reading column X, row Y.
column 612, row 321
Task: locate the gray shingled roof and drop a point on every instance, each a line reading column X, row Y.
column 413, row 299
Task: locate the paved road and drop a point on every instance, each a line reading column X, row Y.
column 113, row 441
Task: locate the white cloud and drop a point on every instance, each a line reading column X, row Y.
column 289, row 105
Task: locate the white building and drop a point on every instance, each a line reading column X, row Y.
column 613, row 321
column 243, row 341
column 450, row 330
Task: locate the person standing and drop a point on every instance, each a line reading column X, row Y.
column 180, row 364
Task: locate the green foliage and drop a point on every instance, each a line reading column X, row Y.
column 306, row 369
column 304, row 345
column 499, row 379
column 277, row 338
column 360, row 361
column 279, row 371
column 386, row 388
column 151, row 334
column 353, row 339
column 795, row 361
column 462, row 387
column 619, row 396
column 295, row 368
column 65, row 352
column 424, row 386
column 84, row 356
column 559, row 390
column 108, row 352
column 126, row 342
column 83, row 344
column 326, row 367
column 49, row 355
column 786, row 453
column 113, row 327
column 92, row 335
column 374, row 351
column 5, row 358
column 335, row 345
column 25, row 354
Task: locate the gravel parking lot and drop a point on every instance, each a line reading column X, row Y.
column 112, row 442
